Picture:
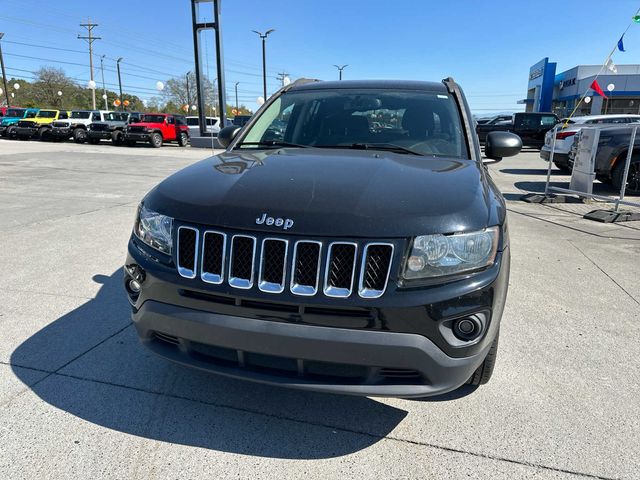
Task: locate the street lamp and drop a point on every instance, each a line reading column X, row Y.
column 16, row 87
column 104, row 88
column 188, row 92
column 120, row 82
column 4, row 75
column 60, row 98
column 264, row 36
column 340, row 68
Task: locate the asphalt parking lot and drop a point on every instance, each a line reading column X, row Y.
column 80, row 398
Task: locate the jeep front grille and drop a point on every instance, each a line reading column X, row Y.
column 275, row 264
column 99, row 127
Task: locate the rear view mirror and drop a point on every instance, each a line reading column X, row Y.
column 502, row 144
column 227, row 134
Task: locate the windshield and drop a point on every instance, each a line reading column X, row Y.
column 15, row 112
column 116, row 117
column 423, row 122
column 82, row 115
column 152, row 119
column 47, row 114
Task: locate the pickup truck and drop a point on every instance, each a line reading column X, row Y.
column 339, row 257
column 112, row 127
column 12, row 117
column 158, row 128
column 76, row 125
column 38, row 126
column 530, row 127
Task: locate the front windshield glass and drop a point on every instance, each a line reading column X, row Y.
column 15, row 112
column 115, row 117
column 82, row 115
column 424, row 122
column 152, row 119
column 47, row 114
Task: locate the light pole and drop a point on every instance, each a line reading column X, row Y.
column 4, row 75
column 104, row 88
column 188, row 93
column 60, row 98
column 264, row 36
column 120, row 83
column 237, row 111
column 16, row 87
column 340, row 68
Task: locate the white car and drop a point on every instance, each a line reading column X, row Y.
column 213, row 126
column 564, row 137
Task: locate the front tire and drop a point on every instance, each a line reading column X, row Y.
column 485, row 370
column 117, row 138
column 155, row 140
column 633, row 178
column 183, row 139
column 79, row 135
column 11, row 133
column 43, row 134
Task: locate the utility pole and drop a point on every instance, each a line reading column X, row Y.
column 264, row 36
column 104, row 88
column 120, row 83
column 340, row 68
column 237, row 111
column 4, row 74
column 90, row 39
column 282, row 76
column 188, row 94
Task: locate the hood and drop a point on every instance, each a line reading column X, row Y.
column 147, row 125
column 330, row 193
column 10, row 120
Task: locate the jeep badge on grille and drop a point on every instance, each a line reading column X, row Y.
column 284, row 223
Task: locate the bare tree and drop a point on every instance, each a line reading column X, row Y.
column 177, row 91
column 48, row 82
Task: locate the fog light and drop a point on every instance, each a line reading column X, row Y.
column 134, row 286
column 467, row 328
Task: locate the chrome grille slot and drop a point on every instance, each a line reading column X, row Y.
column 242, row 255
column 273, row 261
column 374, row 272
column 305, row 270
column 187, row 251
column 243, row 261
column 340, row 269
column 213, row 254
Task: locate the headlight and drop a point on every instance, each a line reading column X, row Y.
column 154, row 229
column 439, row 255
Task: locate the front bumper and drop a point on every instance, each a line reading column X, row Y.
column 137, row 137
column 99, row 135
column 63, row 133
column 26, row 131
column 399, row 349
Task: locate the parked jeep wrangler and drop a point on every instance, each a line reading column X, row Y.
column 38, row 126
column 112, row 127
column 332, row 254
column 158, row 128
column 76, row 125
column 12, row 116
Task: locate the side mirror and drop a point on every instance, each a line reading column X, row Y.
column 502, row 144
column 227, row 134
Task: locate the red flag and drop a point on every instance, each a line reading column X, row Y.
column 596, row 87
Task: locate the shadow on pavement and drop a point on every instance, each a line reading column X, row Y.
column 531, row 171
column 115, row 383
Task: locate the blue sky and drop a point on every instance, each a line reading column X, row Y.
column 487, row 46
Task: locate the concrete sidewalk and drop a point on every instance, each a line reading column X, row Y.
column 80, row 398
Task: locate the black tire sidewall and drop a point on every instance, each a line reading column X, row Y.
column 79, row 135
column 155, row 140
column 618, row 173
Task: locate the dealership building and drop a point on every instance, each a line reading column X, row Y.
column 549, row 91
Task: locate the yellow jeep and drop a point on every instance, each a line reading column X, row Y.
column 40, row 125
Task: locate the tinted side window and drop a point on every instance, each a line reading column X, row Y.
column 171, row 120
column 63, row 115
column 95, row 117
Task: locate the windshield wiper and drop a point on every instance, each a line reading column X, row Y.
column 273, row 143
column 391, row 147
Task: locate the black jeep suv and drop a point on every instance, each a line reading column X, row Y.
column 349, row 240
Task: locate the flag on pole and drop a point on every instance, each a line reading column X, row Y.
column 620, row 44
column 611, row 66
column 596, row 87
